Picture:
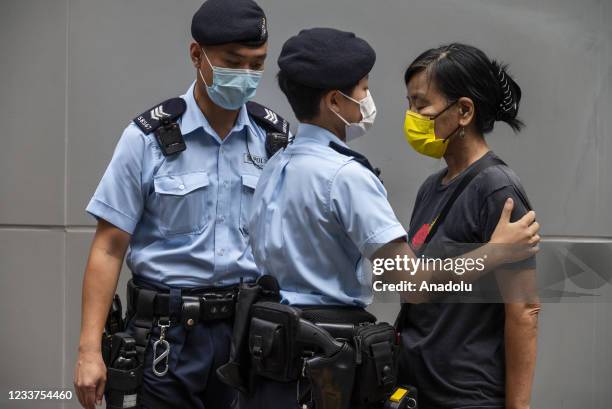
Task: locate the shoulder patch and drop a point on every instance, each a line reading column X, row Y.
column 168, row 110
column 358, row 157
column 267, row 119
column 276, row 127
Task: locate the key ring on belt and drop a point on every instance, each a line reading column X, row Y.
column 163, row 357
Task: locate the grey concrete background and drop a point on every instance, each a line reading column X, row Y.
column 75, row 71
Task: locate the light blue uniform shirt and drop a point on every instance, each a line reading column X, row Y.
column 316, row 215
column 187, row 213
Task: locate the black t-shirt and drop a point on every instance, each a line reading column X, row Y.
column 454, row 352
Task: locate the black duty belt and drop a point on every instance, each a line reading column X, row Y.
column 196, row 305
column 340, row 322
column 334, row 314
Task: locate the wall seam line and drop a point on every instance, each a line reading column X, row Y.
column 64, row 276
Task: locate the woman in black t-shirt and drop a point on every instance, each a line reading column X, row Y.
column 466, row 355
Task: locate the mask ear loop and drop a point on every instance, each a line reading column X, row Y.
column 211, row 67
column 445, row 109
column 452, row 134
column 462, row 134
column 350, row 98
column 340, row 116
column 337, row 114
column 360, row 103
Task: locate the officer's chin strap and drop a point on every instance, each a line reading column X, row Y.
column 330, row 373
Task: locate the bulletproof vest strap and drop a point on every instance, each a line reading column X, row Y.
column 358, row 157
column 161, row 119
column 276, row 127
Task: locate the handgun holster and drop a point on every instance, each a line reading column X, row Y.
column 331, row 378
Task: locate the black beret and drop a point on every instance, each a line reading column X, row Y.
column 229, row 21
column 326, row 58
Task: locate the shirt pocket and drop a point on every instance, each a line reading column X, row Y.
column 249, row 182
column 181, row 206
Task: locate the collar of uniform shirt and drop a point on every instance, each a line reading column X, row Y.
column 193, row 118
column 309, row 132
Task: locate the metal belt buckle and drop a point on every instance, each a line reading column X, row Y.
column 212, row 296
column 218, row 305
column 225, row 295
column 163, row 357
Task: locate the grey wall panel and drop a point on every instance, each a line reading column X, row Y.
column 32, row 114
column 31, row 279
column 124, row 58
column 573, row 357
column 602, row 370
column 77, row 251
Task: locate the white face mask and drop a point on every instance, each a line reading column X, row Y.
column 368, row 114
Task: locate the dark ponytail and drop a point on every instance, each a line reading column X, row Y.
column 460, row 70
column 510, row 98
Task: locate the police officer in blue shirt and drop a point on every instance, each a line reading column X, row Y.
column 319, row 209
column 176, row 196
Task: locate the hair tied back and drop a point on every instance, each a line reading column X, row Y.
column 507, row 105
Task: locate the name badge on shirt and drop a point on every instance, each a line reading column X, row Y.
column 256, row 160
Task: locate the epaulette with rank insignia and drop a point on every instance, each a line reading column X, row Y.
column 359, row 158
column 161, row 119
column 277, row 128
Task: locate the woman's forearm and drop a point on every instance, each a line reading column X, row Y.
column 520, row 336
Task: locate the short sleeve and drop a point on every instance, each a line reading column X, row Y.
column 118, row 198
column 359, row 202
column 491, row 211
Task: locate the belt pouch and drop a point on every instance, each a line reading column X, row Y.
column 272, row 341
column 376, row 354
column 237, row 372
column 123, row 388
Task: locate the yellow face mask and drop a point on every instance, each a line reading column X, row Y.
column 419, row 132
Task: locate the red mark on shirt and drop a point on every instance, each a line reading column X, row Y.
column 419, row 237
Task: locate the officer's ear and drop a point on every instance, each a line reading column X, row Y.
column 331, row 100
column 195, row 52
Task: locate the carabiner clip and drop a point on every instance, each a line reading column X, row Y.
column 164, row 356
